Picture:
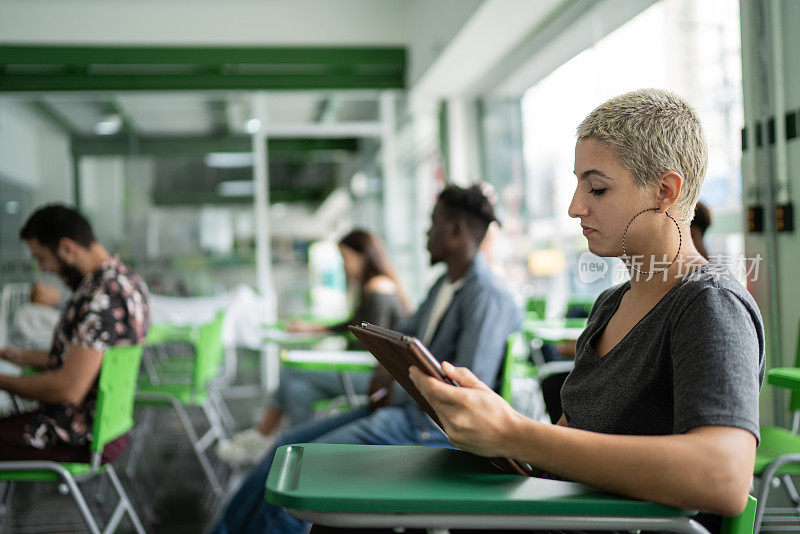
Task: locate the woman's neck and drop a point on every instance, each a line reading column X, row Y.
column 660, row 280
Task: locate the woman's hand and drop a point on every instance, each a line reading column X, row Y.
column 475, row 418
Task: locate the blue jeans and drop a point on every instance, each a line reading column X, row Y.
column 248, row 512
column 299, row 389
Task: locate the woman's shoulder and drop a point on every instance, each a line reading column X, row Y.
column 713, row 292
column 381, row 285
column 713, row 277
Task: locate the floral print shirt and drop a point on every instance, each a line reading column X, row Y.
column 109, row 307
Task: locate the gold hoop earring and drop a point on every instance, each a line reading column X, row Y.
column 625, row 233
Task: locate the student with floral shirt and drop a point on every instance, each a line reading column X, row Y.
column 108, row 307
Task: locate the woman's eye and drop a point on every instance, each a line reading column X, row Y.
column 597, row 192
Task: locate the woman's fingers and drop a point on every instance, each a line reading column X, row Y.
column 463, row 376
column 432, row 388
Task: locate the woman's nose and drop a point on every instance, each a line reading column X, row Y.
column 577, row 208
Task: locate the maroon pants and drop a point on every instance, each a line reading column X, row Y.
column 13, row 448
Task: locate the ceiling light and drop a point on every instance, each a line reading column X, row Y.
column 252, row 126
column 229, row 160
column 235, row 188
column 108, row 125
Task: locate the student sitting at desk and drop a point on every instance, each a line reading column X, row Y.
column 108, row 307
column 662, row 404
column 381, row 301
column 466, row 317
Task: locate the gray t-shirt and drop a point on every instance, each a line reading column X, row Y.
column 695, row 359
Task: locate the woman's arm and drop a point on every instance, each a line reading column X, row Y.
column 708, row 468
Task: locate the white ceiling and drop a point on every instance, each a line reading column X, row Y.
column 206, row 22
column 195, row 113
column 168, row 113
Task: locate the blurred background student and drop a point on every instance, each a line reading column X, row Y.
column 381, row 301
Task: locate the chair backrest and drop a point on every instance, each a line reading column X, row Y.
column 209, row 352
column 578, row 308
column 742, row 523
column 119, row 374
column 536, row 307
column 794, row 401
column 515, row 352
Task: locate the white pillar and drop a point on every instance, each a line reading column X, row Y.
column 463, row 141
column 261, row 197
column 391, row 192
column 269, row 357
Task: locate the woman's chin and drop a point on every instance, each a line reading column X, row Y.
column 604, row 252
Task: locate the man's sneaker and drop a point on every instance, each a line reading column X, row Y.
column 244, row 448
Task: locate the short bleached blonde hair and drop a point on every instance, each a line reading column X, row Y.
column 653, row 131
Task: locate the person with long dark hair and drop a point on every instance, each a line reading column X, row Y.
column 466, row 318
column 381, row 301
column 367, row 267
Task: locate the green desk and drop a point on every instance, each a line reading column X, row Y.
column 294, row 339
column 438, row 489
column 274, row 340
column 353, row 361
column 341, row 362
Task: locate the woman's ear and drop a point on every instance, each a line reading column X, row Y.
column 669, row 189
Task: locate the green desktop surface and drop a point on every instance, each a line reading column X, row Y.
column 426, row 480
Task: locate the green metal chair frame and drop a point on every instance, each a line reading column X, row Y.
column 113, row 417
column 778, row 454
column 377, row 486
column 177, row 395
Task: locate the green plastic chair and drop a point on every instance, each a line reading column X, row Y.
column 113, row 417
column 584, row 306
column 194, row 392
column 535, row 308
column 375, row 486
column 778, row 454
column 521, row 378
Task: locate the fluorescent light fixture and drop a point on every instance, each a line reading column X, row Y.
column 108, row 125
column 12, row 207
column 252, row 126
column 235, row 188
column 229, row 160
